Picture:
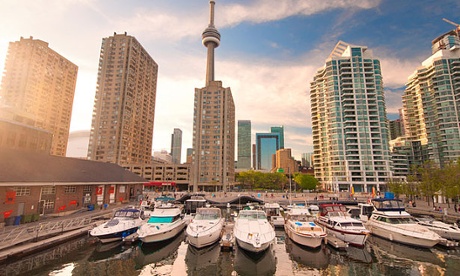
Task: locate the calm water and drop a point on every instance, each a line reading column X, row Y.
column 175, row 257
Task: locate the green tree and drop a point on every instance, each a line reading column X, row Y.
column 431, row 180
column 305, row 181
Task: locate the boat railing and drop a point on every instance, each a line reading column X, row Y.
column 42, row 229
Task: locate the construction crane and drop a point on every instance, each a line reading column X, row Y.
column 457, row 29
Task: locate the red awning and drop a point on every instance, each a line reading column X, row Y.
column 159, row 183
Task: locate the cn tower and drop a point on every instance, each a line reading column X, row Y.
column 211, row 40
column 213, row 161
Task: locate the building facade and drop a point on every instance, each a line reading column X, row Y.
column 176, row 146
column 213, row 125
column 280, row 130
column 430, row 101
column 285, row 161
column 124, row 105
column 41, row 83
column 244, row 145
column 266, row 146
column 350, row 132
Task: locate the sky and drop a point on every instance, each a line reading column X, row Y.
column 269, row 51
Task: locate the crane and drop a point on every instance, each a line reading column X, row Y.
column 457, row 29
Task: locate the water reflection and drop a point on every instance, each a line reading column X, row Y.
column 312, row 258
column 248, row 263
column 158, row 252
column 202, row 261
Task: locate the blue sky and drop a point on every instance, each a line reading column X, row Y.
column 269, row 52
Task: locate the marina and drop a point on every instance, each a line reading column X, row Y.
column 175, row 256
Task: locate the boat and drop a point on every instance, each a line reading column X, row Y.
column 252, row 231
column 272, row 210
column 191, row 205
column 123, row 223
column 206, row 227
column 445, row 230
column 335, row 220
column 361, row 212
column 300, row 227
column 390, row 221
column 164, row 223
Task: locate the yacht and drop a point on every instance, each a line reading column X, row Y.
column 272, row 210
column 164, row 223
column 335, row 220
column 123, row 223
column 206, row 227
column 390, row 221
column 445, row 230
column 252, row 231
column 300, row 227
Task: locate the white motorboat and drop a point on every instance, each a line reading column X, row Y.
column 300, row 227
column 338, row 223
column 445, row 230
column 206, row 227
column 272, row 210
column 164, row 223
column 252, row 231
column 390, row 221
column 123, row 223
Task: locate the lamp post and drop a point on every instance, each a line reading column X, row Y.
column 290, row 187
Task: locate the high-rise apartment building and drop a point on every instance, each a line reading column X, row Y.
column 280, row 130
column 40, row 83
column 266, row 146
column 213, row 164
column 350, row 133
column 124, row 106
column 430, row 101
column 176, row 146
column 244, row 144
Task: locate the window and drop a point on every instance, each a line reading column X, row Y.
column 49, row 190
column 70, row 189
column 87, row 189
column 22, row 191
column 49, row 204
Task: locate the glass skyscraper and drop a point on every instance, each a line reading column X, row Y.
column 244, row 144
column 266, row 146
column 280, row 130
column 350, row 133
column 176, row 146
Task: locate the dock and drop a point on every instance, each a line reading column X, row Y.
column 448, row 243
column 228, row 240
column 336, row 242
column 131, row 238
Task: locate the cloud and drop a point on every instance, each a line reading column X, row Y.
column 270, row 10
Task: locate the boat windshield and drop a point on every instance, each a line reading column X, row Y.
column 160, row 220
column 127, row 213
column 407, row 220
column 252, row 215
column 207, row 215
column 351, row 224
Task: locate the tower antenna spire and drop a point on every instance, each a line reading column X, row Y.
column 211, row 40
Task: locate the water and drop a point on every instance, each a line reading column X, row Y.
column 176, row 257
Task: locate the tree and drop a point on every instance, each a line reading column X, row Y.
column 305, row 181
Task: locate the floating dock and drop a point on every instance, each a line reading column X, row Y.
column 336, row 242
column 228, row 240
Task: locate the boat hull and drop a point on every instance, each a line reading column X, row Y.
column 305, row 239
column 200, row 239
column 110, row 234
column 251, row 247
column 405, row 236
column 151, row 234
column 353, row 238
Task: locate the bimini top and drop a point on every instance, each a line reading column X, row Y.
column 388, row 204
